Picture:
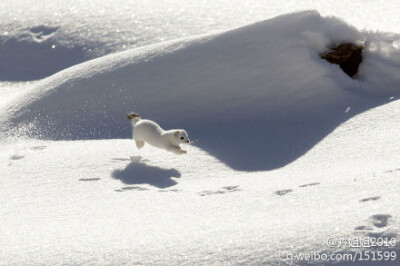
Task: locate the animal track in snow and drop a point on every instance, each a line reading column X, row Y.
column 17, row 157
column 230, row 188
column 283, row 192
column 363, row 227
column 286, row 191
column 121, row 159
column 380, row 220
column 38, row 148
column 169, row 190
column 136, row 188
column 370, row 199
column 223, row 190
column 310, row 184
column 90, row 179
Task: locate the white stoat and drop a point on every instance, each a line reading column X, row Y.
column 147, row 131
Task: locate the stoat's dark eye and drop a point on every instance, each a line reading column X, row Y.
column 182, row 138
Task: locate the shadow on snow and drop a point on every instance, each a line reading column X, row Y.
column 141, row 173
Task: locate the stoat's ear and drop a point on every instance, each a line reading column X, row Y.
column 176, row 133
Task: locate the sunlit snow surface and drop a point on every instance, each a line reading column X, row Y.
column 68, row 32
column 266, row 78
column 104, row 26
column 254, row 99
column 40, row 38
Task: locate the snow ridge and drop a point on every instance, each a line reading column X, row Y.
column 266, row 78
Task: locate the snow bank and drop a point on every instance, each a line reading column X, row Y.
column 81, row 31
column 257, row 97
column 379, row 73
column 35, row 53
column 84, row 202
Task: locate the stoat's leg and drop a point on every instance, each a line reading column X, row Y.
column 176, row 149
column 139, row 144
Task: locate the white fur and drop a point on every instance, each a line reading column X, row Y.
column 147, row 131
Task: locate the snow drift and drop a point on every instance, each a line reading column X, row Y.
column 35, row 53
column 256, row 97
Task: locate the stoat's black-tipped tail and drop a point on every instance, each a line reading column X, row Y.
column 133, row 117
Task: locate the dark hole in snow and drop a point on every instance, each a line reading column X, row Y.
column 348, row 56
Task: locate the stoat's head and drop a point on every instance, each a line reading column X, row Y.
column 180, row 136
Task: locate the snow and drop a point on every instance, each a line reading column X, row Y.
column 381, row 64
column 80, row 211
column 266, row 77
column 98, row 27
column 289, row 151
column 40, row 38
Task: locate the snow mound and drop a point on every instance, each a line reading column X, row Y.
column 35, row 53
column 256, row 97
